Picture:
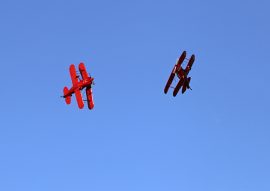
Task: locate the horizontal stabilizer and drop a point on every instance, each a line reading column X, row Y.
column 186, row 85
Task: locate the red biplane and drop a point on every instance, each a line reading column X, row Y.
column 77, row 85
column 181, row 73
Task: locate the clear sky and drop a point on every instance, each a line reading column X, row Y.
column 213, row 138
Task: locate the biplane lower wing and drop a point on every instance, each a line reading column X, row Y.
column 184, row 88
column 178, row 86
column 90, row 99
column 73, row 75
column 79, row 99
column 190, row 63
column 82, row 70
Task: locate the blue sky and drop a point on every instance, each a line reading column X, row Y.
column 215, row 137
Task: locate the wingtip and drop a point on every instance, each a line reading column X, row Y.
column 81, row 66
column 81, row 106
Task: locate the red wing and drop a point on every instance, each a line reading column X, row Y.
column 72, row 71
column 181, row 59
column 83, row 72
column 79, row 99
column 184, row 88
column 175, row 69
column 90, row 99
column 190, row 63
column 178, row 86
column 169, row 82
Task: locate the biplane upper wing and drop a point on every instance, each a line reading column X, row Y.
column 79, row 99
column 72, row 71
column 169, row 82
column 190, row 63
column 181, row 59
column 175, row 69
column 90, row 99
column 83, row 72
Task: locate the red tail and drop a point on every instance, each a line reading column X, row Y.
column 67, row 98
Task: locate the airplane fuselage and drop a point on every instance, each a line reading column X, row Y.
column 80, row 85
column 181, row 73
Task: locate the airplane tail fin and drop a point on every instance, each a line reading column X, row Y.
column 186, row 85
column 67, row 98
column 188, row 81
